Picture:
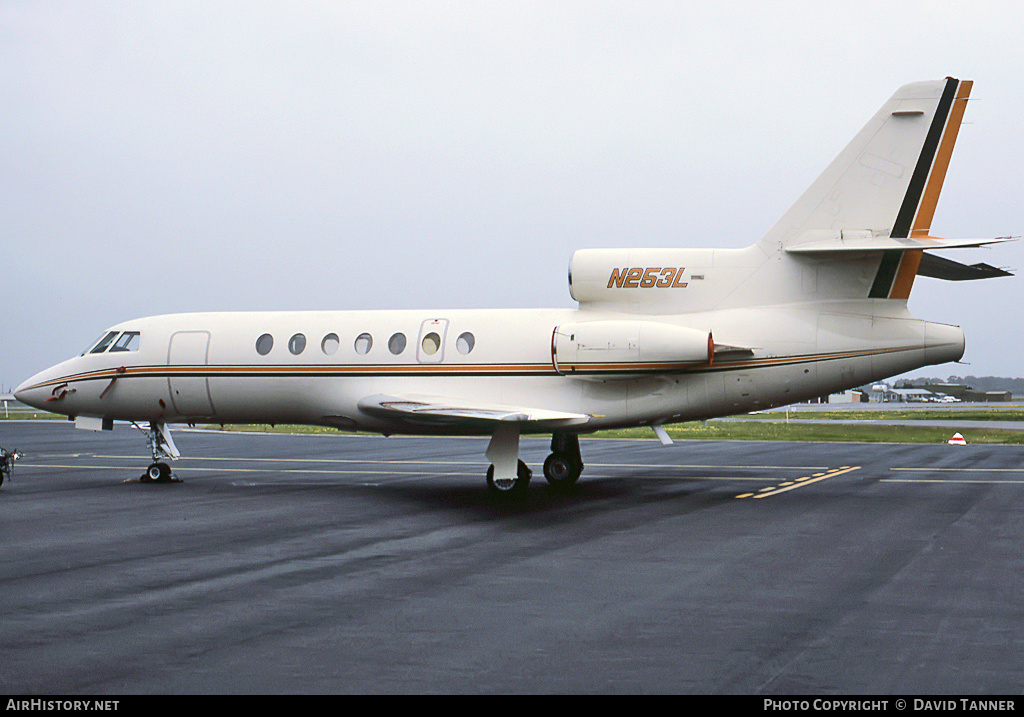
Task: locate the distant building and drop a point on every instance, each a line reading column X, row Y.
column 911, row 395
column 906, row 392
column 956, row 390
column 988, row 396
column 967, row 393
column 854, row 396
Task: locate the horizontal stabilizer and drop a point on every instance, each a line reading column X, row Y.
column 860, row 242
column 436, row 410
column 938, row 267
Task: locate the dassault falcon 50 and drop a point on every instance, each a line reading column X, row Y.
column 659, row 336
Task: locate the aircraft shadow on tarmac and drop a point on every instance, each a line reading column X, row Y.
column 684, row 492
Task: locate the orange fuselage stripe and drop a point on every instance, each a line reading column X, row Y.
column 911, row 260
column 930, row 198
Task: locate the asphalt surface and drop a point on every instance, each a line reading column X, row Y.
column 344, row 564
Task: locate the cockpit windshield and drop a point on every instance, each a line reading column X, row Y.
column 101, row 345
column 127, row 341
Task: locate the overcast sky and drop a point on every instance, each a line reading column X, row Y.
column 158, row 157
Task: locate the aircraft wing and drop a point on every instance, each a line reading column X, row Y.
column 440, row 411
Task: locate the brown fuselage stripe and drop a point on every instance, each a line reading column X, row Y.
column 905, row 219
column 205, row 371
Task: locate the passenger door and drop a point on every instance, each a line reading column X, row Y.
column 186, row 360
column 430, row 347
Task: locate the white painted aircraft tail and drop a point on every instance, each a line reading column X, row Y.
column 886, row 182
column 859, row 231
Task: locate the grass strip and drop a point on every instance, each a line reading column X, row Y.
column 755, row 430
column 996, row 414
column 770, row 426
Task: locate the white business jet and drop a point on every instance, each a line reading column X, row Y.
column 660, row 335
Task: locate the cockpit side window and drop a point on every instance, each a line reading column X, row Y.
column 103, row 343
column 129, row 341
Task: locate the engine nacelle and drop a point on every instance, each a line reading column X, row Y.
column 624, row 276
column 626, row 349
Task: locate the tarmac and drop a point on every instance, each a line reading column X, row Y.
column 352, row 564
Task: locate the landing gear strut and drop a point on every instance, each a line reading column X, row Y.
column 565, row 464
column 161, row 445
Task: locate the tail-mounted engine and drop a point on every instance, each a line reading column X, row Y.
column 627, row 349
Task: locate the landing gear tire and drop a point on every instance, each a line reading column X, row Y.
column 565, row 464
column 157, row 473
column 516, row 487
column 562, row 470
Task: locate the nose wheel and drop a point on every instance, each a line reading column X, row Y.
column 158, row 473
column 161, row 445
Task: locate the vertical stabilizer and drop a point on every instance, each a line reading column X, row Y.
column 922, row 196
column 886, row 182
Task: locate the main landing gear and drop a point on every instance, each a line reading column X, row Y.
column 508, row 475
column 565, row 464
column 510, row 486
column 161, row 445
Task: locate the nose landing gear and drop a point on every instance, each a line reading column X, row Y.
column 161, row 445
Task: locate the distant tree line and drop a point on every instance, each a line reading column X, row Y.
column 978, row 383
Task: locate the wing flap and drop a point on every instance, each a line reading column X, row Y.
column 438, row 410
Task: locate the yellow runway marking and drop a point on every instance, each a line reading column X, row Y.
column 786, row 486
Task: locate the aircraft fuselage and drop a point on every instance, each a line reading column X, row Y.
column 316, row 367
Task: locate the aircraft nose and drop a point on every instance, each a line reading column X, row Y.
column 29, row 393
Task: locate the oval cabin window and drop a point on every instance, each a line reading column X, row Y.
column 364, row 342
column 264, row 344
column 330, row 344
column 465, row 343
column 431, row 343
column 396, row 344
